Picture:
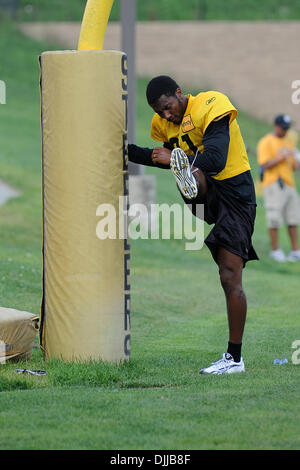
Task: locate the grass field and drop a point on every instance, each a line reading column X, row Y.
column 157, row 400
column 72, row 10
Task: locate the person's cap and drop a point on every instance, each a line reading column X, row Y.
column 283, row 120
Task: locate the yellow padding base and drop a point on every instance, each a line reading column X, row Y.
column 18, row 331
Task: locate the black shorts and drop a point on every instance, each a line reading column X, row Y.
column 233, row 222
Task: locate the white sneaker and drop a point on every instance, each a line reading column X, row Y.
column 181, row 170
column 278, row 255
column 226, row 365
column 294, row 256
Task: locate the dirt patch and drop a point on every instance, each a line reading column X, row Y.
column 254, row 63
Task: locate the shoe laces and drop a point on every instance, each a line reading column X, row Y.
column 196, row 169
column 222, row 360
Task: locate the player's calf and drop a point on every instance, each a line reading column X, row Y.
column 200, row 180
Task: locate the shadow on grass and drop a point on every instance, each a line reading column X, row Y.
column 148, row 372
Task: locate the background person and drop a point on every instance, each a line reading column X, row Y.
column 276, row 157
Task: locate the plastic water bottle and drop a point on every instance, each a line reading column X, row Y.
column 280, row 361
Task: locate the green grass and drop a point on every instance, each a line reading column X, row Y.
column 72, row 10
column 157, row 400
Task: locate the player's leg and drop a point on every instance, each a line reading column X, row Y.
column 200, row 181
column 230, row 270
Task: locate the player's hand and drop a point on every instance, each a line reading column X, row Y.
column 161, row 155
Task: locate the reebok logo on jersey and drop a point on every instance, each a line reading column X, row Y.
column 210, row 100
column 187, row 123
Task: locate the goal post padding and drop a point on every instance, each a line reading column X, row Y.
column 85, row 307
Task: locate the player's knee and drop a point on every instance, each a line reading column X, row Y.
column 230, row 278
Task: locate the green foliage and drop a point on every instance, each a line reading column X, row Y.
column 167, row 10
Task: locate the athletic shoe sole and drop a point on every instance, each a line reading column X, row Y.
column 181, row 170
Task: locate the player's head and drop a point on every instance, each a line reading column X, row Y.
column 166, row 98
column 282, row 123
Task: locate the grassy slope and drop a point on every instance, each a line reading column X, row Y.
column 72, row 10
column 157, row 400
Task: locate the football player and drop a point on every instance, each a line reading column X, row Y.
column 204, row 148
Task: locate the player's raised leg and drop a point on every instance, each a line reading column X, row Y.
column 200, row 181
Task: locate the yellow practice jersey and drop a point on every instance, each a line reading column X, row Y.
column 201, row 110
column 267, row 149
